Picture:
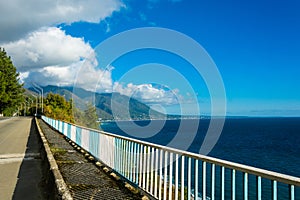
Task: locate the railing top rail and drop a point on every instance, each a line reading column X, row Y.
column 291, row 180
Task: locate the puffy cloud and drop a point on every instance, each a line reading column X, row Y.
column 47, row 47
column 53, row 75
column 83, row 74
column 50, row 57
column 148, row 93
column 94, row 79
column 44, row 53
column 19, row 17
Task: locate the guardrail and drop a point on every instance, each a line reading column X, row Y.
column 168, row 173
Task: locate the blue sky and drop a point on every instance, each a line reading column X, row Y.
column 254, row 44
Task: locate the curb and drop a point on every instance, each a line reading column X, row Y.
column 61, row 186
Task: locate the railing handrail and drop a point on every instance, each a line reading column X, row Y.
column 288, row 179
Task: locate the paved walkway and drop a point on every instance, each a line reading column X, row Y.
column 20, row 163
column 83, row 178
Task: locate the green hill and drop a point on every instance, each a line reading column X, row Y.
column 104, row 102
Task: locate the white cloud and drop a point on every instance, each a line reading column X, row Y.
column 83, row 74
column 94, row 79
column 148, row 93
column 50, row 57
column 47, row 47
column 19, row 17
column 53, row 75
column 44, row 53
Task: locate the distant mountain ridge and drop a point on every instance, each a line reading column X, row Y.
column 103, row 102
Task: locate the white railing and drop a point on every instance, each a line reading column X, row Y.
column 168, row 173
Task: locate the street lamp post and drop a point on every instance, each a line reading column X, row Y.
column 37, row 87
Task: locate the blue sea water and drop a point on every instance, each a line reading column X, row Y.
column 267, row 143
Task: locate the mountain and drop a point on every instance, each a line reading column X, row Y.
column 103, row 103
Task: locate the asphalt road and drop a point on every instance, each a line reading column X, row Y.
column 20, row 163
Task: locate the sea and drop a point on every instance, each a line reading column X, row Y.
column 265, row 142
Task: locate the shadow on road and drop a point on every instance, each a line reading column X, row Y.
column 32, row 178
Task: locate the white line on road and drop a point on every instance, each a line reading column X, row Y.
column 17, row 157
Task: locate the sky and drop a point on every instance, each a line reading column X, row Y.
column 254, row 46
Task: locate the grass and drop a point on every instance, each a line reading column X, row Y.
column 59, row 151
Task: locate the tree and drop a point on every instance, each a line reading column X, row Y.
column 58, row 108
column 11, row 91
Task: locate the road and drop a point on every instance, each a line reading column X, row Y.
column 20, row 163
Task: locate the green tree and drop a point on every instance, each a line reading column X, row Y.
column 58, row 108
column 11, row 91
